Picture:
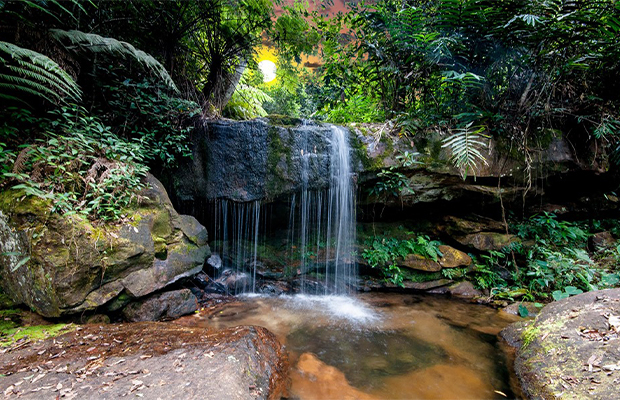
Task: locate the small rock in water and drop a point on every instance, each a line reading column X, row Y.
column 215, row 261
column 235, row 282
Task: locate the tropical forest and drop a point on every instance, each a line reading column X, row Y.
column 306, row 199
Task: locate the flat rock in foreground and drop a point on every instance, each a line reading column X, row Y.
column 572, row 349
column 150, row 360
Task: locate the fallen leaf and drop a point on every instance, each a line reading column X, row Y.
column 614, row 323
column 37, row 378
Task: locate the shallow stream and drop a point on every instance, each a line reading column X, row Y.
column 380, row 346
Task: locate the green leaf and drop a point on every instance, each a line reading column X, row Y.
column 19, row 264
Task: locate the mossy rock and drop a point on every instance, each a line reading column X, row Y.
column 570, row 351
column 72, row 266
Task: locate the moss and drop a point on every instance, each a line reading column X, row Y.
column 6, row 303
column 283, row 120
column 11, row 202
column 529, row 334
column 360, row 149
column 161, row 224
column 420, row 276
column 11, row 334
column 545, row 137
column 276, row 151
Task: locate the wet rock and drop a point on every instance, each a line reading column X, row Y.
column 215, row 262
column 167, row 305
column 417, row 262
column 235, row 282
column 150, row 360
column 71, row 266
column 464, row 290
column 453, row 258
column 602, row 241
column 426, row 286
column 486, row 241
column 514, row 308
column 275, row 288
column 253, row 160
column 571, row 349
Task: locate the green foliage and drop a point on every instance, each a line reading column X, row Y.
column 391, row 182
column 357, row 108
column 27, row 72
column 515, row 68
column 383, row 252
column 545, row 227
column 99, row 44
column 145, row 112
column 465, row 145
column 80, row 166
column 246, row 102
column 567, row 292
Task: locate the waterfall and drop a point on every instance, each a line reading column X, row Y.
column 236, row 239
column 327, row 221
column 321, row 223
column 341, row 212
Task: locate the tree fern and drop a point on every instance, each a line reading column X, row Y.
column 100, row 44
column 465, row 145
column 247, row 102
column 28, row 71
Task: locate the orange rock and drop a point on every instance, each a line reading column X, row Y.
column 313, row 379
column 415, row 261
column 453, row 258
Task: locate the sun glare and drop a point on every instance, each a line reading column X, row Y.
column 268, row 68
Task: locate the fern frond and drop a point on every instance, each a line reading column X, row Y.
column 20, row 82
column 36, row 74
column 100, row 44
column 465, row 145
column 44, row 75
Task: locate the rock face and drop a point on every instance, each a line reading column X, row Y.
column 417, row 262
column 167, row 305
column 453, row 258
column 572, row 349
column 72, row 266
column 151, row 360
column 262, row 160
column 253, row 160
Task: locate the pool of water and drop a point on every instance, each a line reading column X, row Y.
column 379, row 346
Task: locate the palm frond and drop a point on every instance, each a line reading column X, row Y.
column 465, row 145
column 31, row 72
column 99, row 44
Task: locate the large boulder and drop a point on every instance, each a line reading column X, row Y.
column 153, row 360
column 572, row 349
column 63, row 264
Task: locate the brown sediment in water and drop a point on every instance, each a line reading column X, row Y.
column 418, row 347
column 440, row 382
column 315, row 380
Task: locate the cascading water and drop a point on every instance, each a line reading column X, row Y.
column 341, row 213
column 321, row 228
column 327, row 222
